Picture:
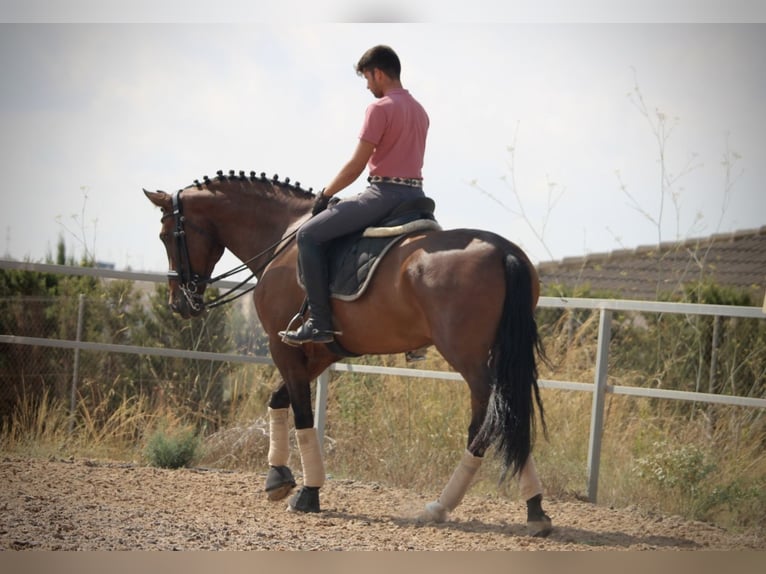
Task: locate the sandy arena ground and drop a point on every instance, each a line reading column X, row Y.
column 97, row 505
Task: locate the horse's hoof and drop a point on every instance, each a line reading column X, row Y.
column 434, row 512
column 279, row 482
column 305, row 500
column 539, row 524
column 540, row 527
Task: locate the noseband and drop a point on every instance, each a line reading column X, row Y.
column 188, row 281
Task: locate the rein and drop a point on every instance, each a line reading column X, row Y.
column 189, row 281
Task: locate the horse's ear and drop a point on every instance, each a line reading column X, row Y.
column 159, row 198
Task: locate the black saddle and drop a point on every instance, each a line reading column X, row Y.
column 352, row 259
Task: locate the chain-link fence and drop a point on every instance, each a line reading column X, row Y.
column 119, row 313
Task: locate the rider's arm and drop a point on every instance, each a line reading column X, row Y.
column 353, row 168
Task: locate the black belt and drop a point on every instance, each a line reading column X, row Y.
column 411, row 181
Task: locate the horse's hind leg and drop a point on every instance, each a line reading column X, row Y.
column 539, row 524
column 462, row 476
column 454, row 490
column 280, row 480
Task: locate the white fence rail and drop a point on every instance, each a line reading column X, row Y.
column 598, row 387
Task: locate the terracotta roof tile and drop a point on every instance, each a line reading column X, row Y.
column 736, row 260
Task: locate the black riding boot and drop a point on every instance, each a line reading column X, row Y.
column 318, row 327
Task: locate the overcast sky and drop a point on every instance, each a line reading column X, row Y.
column 93, row 113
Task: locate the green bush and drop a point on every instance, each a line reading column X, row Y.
column 173, row 449
column 677, row 467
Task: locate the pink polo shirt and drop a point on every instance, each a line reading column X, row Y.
column 397, row 125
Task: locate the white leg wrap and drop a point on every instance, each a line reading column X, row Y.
column 311, row 457
column 529, row 481
column 455, row 489
column 279, row 446
column 460, row 481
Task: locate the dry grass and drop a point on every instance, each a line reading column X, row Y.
column 411, row 433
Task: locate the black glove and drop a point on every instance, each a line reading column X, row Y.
column 320, row 203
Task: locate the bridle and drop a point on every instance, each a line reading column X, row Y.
column 189, row 281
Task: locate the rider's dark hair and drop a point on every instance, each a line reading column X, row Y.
column 383, row 58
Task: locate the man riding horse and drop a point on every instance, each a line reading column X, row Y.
column 469, row 293
column 392, row 143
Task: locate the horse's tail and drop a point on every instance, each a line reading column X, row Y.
column 510, row 421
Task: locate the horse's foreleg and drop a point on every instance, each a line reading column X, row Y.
column 280, row 480
column 307, row 498
column 531, row 490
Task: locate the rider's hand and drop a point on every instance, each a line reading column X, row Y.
column 320, row 203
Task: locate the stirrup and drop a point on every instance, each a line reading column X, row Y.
column 415, row 355
column 296, row 317
column 306, row 333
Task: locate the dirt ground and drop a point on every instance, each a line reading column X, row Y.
column 98, row 505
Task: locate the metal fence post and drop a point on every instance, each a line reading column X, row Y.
column 76, row 370
column 599, row 393
column 323, row 381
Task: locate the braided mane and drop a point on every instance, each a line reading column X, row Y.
column 259, row 182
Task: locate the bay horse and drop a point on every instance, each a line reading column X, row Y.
column 469, row 293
